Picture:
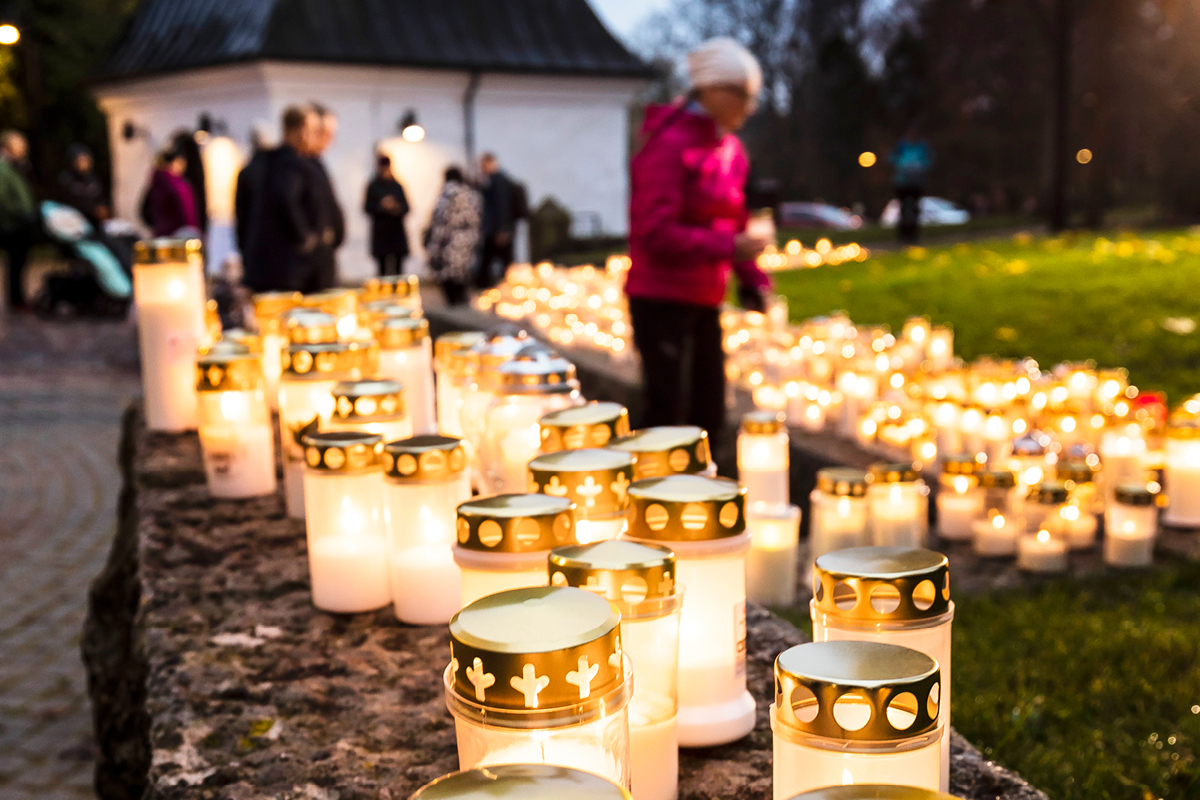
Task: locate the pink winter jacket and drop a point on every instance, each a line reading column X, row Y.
column 687, row 202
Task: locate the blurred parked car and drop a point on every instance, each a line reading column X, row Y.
column 934, row 211
column 817, row 215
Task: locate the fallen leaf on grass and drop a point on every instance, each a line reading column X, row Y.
column 1017, row 266
column 1006, row 334
column 1180, row 325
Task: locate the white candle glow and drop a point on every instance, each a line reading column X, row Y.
column 1001, row 518
column 236, row 439
column 839, row 512
column 1182, row 474
column 762, row 457
column 771, row 564
column 269, row 309
column 478, row 391
column 1042, row 552
column 452, row 365
column 898, row 503
column 959, row 498
column 406, row 356
column 597, row 480
column 1123, row 456
column 1131, row 525
column 667, row 450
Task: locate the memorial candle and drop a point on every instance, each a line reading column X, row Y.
column 236, row 438
column 371, row 406
column 402, row 290
column 1001, row 519
column 526, row 782
column 1131, row 525
column 1122, row 456
column 839, row 512
column 406, row 356
column 485, row 360
column 667, row 450
column 898, row 503
column 1084, row 502
column 452, row 366
column 771, row 563
column 959, row 498
column 1042, row 552
column 762, row 457
column 597, row 480
column 1182, row 473
column 578, row 427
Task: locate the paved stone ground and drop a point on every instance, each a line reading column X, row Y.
column 63, row 387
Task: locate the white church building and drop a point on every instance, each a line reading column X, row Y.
column 541, row 83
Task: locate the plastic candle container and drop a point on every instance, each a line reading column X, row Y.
column 873, row 792
column 168, row 296
column 703, row 520
column 1123, row 457
column 269, row 309
column 762, row 457
column 1084, row 502
column 639, row 581
column 1032, row 460
column 591, row 425
column 970, row 426
column 940, row 351
column 371, row 406
column 773, row 559
column 236, row 438
column 1182, row 473
column 596, row 480
column 959, row 498
column 1001, row 519
column 452, row 367
column 347, row 544
column 898, row 502
column 892, row 595
column 425, row 480
column 485, row 359
column 525, row 782
column 310, row 371
column 401, row 290
column 839, row 512
column 406, row 356
column 947, row 422
column 668, row 450
column 852, row 712
column 1131, row 526
column 504, row 541
column 342, row 304
column 537, row 676
column 526, row 389
column 1042, row 551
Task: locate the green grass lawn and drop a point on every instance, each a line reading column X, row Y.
column 1091, row 689
column 1075, row 297
column 874, row 234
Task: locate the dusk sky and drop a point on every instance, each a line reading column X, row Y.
column 623, row 16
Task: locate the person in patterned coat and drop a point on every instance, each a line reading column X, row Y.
column 454, row 236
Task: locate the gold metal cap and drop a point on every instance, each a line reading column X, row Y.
column 243, row 337
column 224, row 371
column 309, row 326
column 764, row 422
column 666, row 450
column 898, row 685
column 224, row 347
column 166, row 251
column 526, row 782
column 597, row 480
column 842, row 481
column 1076, row 471
column 1049, row 493
column 900, row 472
column 686, row 508
column 395, row 333
column 536, row 373
column 455, row 340
column 960, row 464
column 516, row 523
column 343, row 451
column 424, row 458
column 1136, row 494
column 877, row 584
column 363, row 401
column 997, row 479
column 546, row 648
column 338, row 302
column 372, row 311
column 391, row 286
column 272, row 304
column 591, row 425
column 1030, row 446
column 874, row 792
column 497, row 349
column 626, row 573
column 331, row 360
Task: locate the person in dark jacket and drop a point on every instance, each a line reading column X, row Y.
column 170, row 204
column 387, row 205
column 330, row 220
column 250, row 193
column 79, row 187
column 18, row 213
column 283, row 250
column 499, row 222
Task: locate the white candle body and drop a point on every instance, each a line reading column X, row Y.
column 272, row 363
column 1081, row 531
column 771, row 564
column 1182, row 483
column 898, row 514
column 1129, row 533
column 412, row 367
column 302, row 403
column 420, row 517
column 589, row 531
column 763, row 467
column 838, row 523
column 237, row 444
column 512, row 437
column 653, row 647
column 1124, row 458
column 449, row 404
column 347, row 547
column 1036, row 555
column 957, row 511
column 169, row 300
column 992, row 540
column 488, row 573
column 654, row 757
column 392, row 430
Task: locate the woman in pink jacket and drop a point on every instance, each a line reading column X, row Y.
column 687, row 222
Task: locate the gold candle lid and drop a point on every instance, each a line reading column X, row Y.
column 842, row 481
column 625, row 573
column 545, row 649
column 597, row 480
column 365, row 401
column 1049, row 493
column 166, row 250
column 395, row 333
column 1075, row 471
column 896, row 683
column 224, row 347
column 516, row 523
column 874, row 792
column 338, row 302
column 308, row 326
column 391, row 286
column 424, row 458
column 225, row 371
column 686, row 508
column 900, row 472
column 1136, row 494
column 375, row 311
column 497, row 349
column 764, row 422
column 960, row 464
column 328, row 361
column 343, row 451
column 273, row 304
column 447, row 343
column 998, row 479
column 877, row 584
column 536, row 372
column 523, row 782
column 590, row 425
column 666, row 450
column 1030, row 446
column 243, row 337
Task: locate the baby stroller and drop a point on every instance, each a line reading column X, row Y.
column 98, row 281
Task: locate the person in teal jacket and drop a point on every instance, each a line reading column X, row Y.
column 18, row 213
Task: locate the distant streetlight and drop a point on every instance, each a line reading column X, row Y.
column 409, row 128
column 9, row 34
column 866, row 159
column 1084, row 156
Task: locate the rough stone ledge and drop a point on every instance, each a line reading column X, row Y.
column 211, row 674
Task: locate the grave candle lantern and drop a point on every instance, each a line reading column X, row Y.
column 1083, row 502
column 872, row 792
column 1182, row 473
column 898, row 503
column 371, row 407
column 839, row 511
column 1001, row 519
column 1032, row 460
column 168, row 297
column 762, row 457
column 269, row 311
column 703, row 521
column 941, row 348
column 855, row 712
column 594, row 424
column 405, row 356
column 425, row 480
column 1042, row 551
column 596, row 480
column 1122, row 456
column 503, row 541
column 343, row 498
column 1131, row 525
column 236, row 439
column 527, row 388
column 639, row 580
column 892, row 595
column 668, row 450
column 452, row 368
column 402, row 290
column 774, row 549
column 485, row 360
column 959, row 498
column 527, row 782
column 537, row 676
column 342, row 304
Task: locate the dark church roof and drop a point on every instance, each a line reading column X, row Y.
column 537, row 36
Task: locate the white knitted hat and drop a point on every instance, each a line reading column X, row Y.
column 724, row 62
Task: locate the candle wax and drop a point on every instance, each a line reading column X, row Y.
column 991, row 540
column 239, row 460
column 654, row 757
column 799, row 769
column 956, row 513
column 431, row 582
column 1035, row 555
column 349, row 573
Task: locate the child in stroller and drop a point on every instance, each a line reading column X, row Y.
column 98, row 281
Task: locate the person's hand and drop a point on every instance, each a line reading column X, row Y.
column 747, row 247
column 502, row 238
column 751, row 298
column 389, row 203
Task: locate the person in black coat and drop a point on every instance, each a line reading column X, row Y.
column 387, row 206
column 79, row 187
column 330, row 219
column 250, row 195
column 499, row 222
column 284, row 250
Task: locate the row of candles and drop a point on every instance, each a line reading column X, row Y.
column 609, row 553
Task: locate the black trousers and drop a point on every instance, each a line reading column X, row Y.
column 489, row 274
column 16, row 244
column 683, row 364
column 390, row 263
column 454, row 291
column 909, row 228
